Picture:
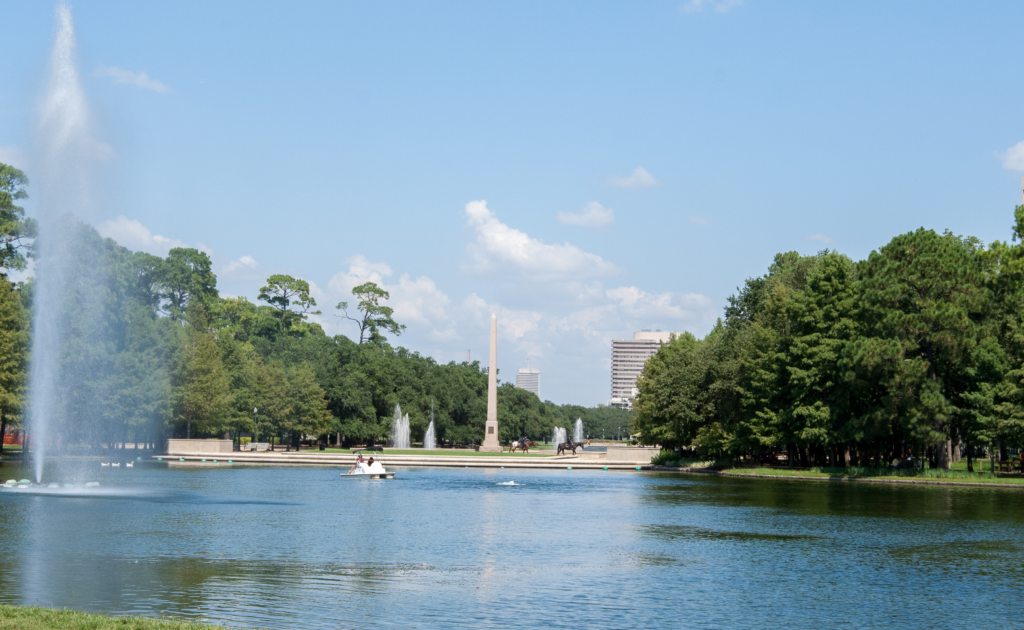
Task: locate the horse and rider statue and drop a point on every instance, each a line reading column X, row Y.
column 570, row 446
column 523, row 444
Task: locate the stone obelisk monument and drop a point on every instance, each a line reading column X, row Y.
column 491, row 444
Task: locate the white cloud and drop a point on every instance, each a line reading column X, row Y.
column 718, row 6
column 138, row 79
column 416, row 301
column 639, row 179
column 593, row 215
column 673, row 306
column 821, row 238
column 360, row 270
column 588, row 332
column 137, row 237
column 245, row 262
column 419, row 301
column 513, row 324
column 12, row 156
column 1013, row 158
column 498, row 244
column 699, row 221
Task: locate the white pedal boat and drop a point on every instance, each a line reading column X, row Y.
column 367, row 469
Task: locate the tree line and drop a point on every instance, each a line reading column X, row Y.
column 150, row 350
column 917, row 349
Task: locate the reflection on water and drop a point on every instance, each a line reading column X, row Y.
column 299, row 548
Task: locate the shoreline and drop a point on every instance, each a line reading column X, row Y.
column 884, row 480
column 552, row 462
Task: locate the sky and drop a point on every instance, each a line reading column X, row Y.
column 583, row 170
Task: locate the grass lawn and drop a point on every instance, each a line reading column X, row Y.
column 31, row 618
column 875, row 473
column 442, row 452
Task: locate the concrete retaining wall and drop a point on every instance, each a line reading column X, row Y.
column 182, row 447
column 632, row 454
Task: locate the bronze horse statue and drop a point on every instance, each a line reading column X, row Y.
column 570, row 446
column 523, row 445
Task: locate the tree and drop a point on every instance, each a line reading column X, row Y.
column 307, row 407
column 15, row 229
column 183, row 277
column 920, row 300
column 271, row 399
column 673, row 403
column 243, row 368
column 291, row 300
column 823, row 314
column 202, row 392
column 375, row 317
column 14, row 346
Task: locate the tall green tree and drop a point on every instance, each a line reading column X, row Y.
column 290, row 299
column 15, row 229
column 14, row 349
column 674, row 402
column 184, row 277
column 922, row 292
column 307, row 405
column 272, row 400
column 374, row 317
column 202, row 388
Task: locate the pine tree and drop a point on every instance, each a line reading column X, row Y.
column 202, row 394
column 307, row 407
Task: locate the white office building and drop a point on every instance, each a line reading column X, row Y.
column 529, row 380
column 628, row 357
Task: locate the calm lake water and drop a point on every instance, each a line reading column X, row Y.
column 302, row 548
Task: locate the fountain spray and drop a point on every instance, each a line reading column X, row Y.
column 66, row 155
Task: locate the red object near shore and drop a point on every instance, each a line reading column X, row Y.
column 13, row 440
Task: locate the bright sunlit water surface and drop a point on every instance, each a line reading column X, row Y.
column 303, row 548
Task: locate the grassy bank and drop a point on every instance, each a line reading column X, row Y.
column 32, row 618
column 948, row 476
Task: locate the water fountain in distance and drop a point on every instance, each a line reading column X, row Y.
column 400, row 430
column 559, row 436
column 577, row 431
column 429, row 442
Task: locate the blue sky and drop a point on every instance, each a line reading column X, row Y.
column 583, row 169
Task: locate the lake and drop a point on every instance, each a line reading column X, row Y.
column 449, row 548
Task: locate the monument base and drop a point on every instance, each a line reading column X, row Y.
column 489, row 449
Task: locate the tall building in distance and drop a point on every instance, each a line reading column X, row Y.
column 628, row 357
column 529, row 380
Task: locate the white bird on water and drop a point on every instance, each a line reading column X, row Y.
column 105, row 464
column 116, row 464
column 130, row 465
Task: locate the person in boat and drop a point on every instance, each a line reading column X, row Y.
column 374, row 467
column 360, row 466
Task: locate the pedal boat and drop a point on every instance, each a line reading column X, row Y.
column 376, row 471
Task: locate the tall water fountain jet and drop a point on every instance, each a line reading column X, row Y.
column 428, row 437
column 577, row 431
column 558, row 436
column 400, row 430
column 68, row 268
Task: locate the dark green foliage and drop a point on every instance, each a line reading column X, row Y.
column 15, row 229
column 921, row 346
